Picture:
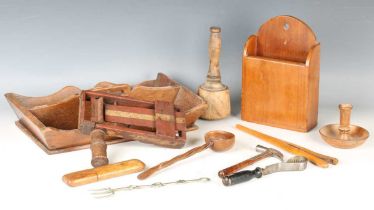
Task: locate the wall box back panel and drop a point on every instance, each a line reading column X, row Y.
column 280, row 75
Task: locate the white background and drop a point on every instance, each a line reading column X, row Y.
column 48, row 44
column 32, row 179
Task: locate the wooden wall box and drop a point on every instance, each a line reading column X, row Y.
column 280, row 75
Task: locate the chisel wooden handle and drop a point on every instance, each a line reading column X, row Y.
column 103, row 172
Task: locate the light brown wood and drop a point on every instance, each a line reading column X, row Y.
column 280, row 75
column 320, row 160
column 345, row 117
column 218, row 104
column 103, row 172
column 344, row 135
column 216, row 94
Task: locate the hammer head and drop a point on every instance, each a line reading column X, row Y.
column 272, row 152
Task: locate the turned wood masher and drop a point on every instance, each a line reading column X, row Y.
column 216, row 94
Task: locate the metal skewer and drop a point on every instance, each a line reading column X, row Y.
column 108, row 192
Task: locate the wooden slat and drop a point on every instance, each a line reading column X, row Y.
column 121, row 99
column 144, row 136
column 180, row 121
column 130, row 115
column 165, row 118
column 82, row 106
column 97, row 109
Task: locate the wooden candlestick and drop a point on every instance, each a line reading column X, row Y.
column 345, row 117
column 215, row 93
column 344, row 135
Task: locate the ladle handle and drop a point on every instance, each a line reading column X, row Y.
column 345, row 117
column 170, row 162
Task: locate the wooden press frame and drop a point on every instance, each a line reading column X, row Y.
column 158, row 122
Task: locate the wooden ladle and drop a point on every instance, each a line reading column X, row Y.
column 218, row 141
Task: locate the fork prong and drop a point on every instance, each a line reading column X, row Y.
column 104, row 192
column 100, row 189
column 101, row 193
column 104, row 196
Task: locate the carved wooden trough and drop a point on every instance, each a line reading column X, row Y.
column 52, row 121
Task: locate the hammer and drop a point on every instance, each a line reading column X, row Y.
column 265, row 153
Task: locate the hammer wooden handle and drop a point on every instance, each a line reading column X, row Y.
column 103, row 172
column 237, row 167
column 316, row 158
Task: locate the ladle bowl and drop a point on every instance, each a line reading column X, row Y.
column 222, row 140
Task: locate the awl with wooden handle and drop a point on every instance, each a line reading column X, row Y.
column 315, row 158
column 103, row 172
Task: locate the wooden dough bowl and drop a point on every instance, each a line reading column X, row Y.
column 52, row 121
column 165, row 89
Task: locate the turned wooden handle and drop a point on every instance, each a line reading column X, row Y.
column 98, row 148
column 103, row 172
column 214, row 52
column 239, row 166
column 345, row 117
column 289, row 147
column 170, row 162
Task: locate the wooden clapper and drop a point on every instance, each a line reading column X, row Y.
column 159, row 122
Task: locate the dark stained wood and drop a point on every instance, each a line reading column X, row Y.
column 149, row 122
column 165, row 118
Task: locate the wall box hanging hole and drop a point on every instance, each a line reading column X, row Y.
column 280, row 77
column 286, row 26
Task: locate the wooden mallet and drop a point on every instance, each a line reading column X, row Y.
column 216, row 94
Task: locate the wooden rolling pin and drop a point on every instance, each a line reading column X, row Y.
column 103, row 172
column 320, row 160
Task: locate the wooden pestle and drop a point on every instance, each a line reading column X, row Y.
column 103, row 172
column 98, row 148
column 216, row 140
column 215, row 93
